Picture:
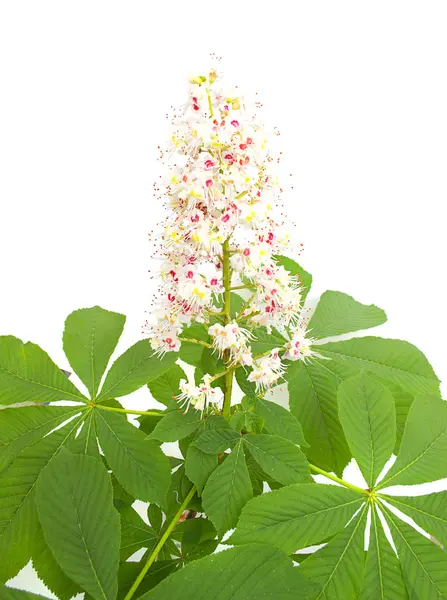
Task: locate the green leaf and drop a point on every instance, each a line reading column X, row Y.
column 236, row 304
column 155, row 517
column 176, row 425
column 135, row 534
column 368, row 416
column 423, row 451
column 84, row 441
column 90, row 337
column 191, row 353
column 313, row 401
column 429, row 512
column 402, row 402
column 215, row 441
column 339, row 566
column 279, row 421
column 248, row 387
column 338, row 313
column 49, row 571
column 138, row 464
column 22, row 427
column 75, row 504
column 129, row 571
column 149, row 422
column 265, row 341
column 133, row 369
column 294, row 268
column 27, row 374
column 296, row 516
column 383, row 574
column 19, row 525
column 199, row 466
column 424, row 564
column 165, row 387
column 248, row 573
column 398, row 361
column 279, row 458
column 197, row 331
column 197, row 537
column 227, row 490
column 7, row 593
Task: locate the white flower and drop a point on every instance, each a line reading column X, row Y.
column 220, row 187
column 199, row 396
column 266, row 371
column 300, row 346
column 234, row 338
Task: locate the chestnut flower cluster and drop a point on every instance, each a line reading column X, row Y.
column 222, row 232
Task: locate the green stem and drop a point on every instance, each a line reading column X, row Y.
column 152, row 413
column 210, row 103
column 338, row 480
column 226, row 275
column 226, row 279
column 242, row 287
column 250, row 316
column 193, row 341
column 160, row 544
column 246, row 304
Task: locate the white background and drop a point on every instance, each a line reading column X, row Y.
column 357, row 89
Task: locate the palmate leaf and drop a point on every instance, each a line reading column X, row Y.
column 49, row 571
column 133, row 369
column 423, row 452
column 339, row 566
column 383, row 574
column 252, row 572
column 367, row 413
column 296, row 516
column 215, row 441
column 84, row 441
column 279, row 458
column 338, row 313
column 138, row 464
column 265, row 341
column 199, row 466
column 430, row 512
column 19, row 524
column 313, row 401
column 129, row 571
column 279, row 421
column 90, row 336
column 424, row 564
column 227, row 490
column 7, row 593
column 135, row 534
column 167, row 385
column 176, row 425
column 21, row 427
column 27, row 374
column 75, row 505
column 394, row 360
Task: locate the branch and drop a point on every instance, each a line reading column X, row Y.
column 160, row 544
column 152, row 413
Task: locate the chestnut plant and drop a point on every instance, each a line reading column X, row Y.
column 238, row 514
